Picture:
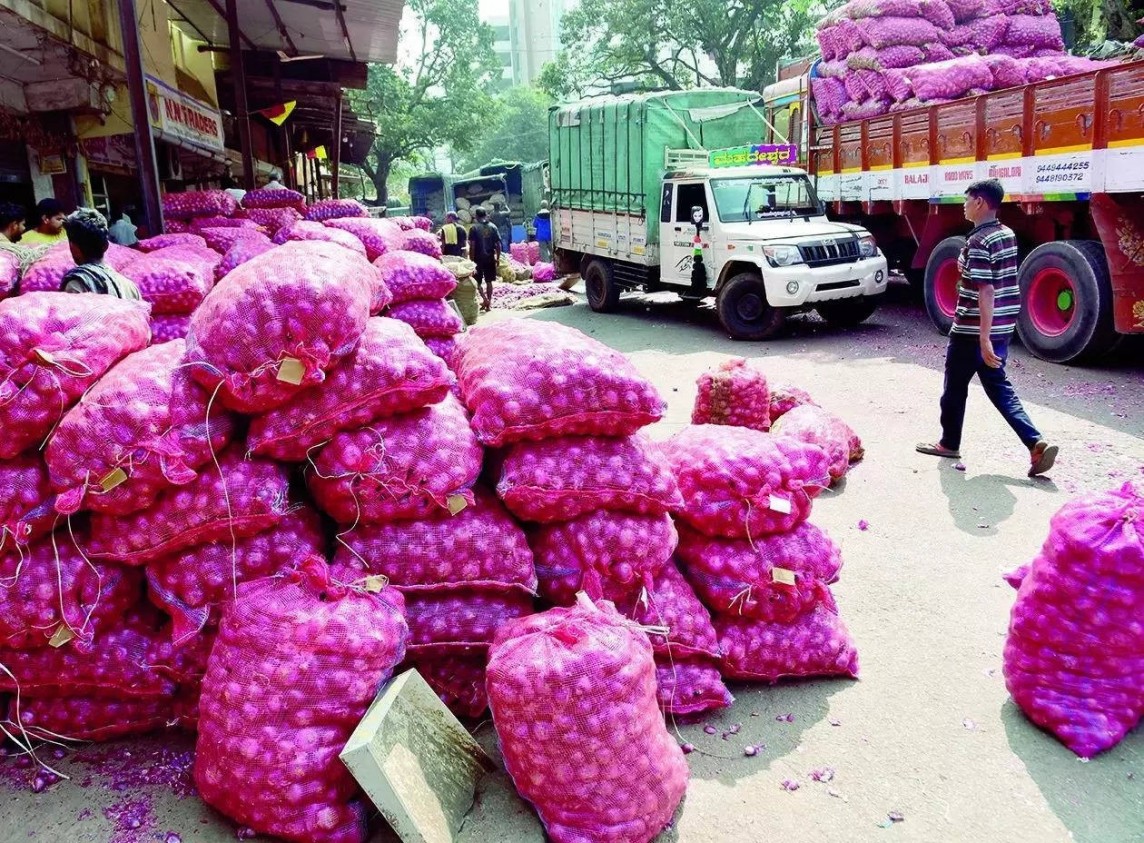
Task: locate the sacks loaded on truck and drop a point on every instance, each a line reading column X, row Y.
column 673, row 191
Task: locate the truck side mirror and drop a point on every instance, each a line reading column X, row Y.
column 697, row 214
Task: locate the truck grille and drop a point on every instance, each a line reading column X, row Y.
column 829, row 253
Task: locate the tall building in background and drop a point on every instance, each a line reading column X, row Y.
column 503, row 49
column 535, row 36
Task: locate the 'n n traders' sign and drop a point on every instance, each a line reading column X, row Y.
column 184, row 118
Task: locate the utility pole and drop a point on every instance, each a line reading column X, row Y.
column 238, row 77
column 336, row 152
column 141, row 117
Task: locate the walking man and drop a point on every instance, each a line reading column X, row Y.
column 988, row 301
column 452, row 236
column 502, row 219
column 485, row 252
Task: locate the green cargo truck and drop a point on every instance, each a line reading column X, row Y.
column 643, row 184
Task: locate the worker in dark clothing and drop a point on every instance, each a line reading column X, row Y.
column 11, row 222
column 485, row 252
column 502, row 219
column 88, row 237
column 452, row 236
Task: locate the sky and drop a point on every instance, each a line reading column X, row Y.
column 494, row 9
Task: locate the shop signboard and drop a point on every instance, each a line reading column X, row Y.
column 183, row 119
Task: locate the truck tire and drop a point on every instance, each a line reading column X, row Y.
column 1066, row 302
column 600, row 286
column 743, row 309
column 942, row 277
column 848, row 313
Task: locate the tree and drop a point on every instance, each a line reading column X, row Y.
column 435, row 99
column 516, row 131
column 1098, row 20
column 677, row 44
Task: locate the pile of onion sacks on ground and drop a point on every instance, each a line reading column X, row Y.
column 245, row 532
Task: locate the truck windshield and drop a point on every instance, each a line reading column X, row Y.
column 763, row 197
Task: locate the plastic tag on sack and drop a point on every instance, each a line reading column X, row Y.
column 375, row 583
column 780, row 505
column 456, row 503
column 784, row 576
column 115, row 477
column 61, row 636
column 43, row 356
column 291, row 371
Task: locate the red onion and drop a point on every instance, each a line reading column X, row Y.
column 816, row 426
column 378, row 236
column 171, row 286
column 423, row 242
column 328, row 209
column 461, row 620
column 429, row 317
column 304, row 230
column 280, row 197
column 734, row 394
column 410, row 276
column 198, row 203
column 162, row 241
column 27, row 510
column 169, row 327
column 459, row 680
column 687, row 688
column 90, row 718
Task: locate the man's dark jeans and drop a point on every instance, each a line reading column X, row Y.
column 963, row 360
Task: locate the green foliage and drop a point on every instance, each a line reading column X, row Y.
column 1096, row 21
column 438, row 98
column 514, row 129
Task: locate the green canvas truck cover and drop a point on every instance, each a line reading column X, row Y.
column 607, row 153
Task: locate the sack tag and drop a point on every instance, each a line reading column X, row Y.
column 784, row 576
column 115, row 477
column 780, row 505
column 291, row 371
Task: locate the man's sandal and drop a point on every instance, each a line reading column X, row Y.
column 937, row 450
column 1041, row 457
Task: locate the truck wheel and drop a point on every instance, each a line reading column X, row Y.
column 743, row 309
column 1066, row 297
column 603, row 294
column 848, row 313
column 942, row 277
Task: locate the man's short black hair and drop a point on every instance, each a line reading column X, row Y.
column 480, row 213
column 10, row 212
column 988, row 189
column 48, row 208
column 87, row 230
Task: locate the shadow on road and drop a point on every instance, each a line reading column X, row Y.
column 1092, row 800
column 980, row 503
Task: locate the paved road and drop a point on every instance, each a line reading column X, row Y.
column 928, row 730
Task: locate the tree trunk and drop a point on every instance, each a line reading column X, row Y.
column 380, row 176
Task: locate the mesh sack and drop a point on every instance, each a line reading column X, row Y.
column 937, row 12
column 168, row 327
column 948, row 79
column 274, row 219
column 9, row 272
column 573, row 698
column 276, row 198
column 524, row 379
column 519, row 252
column 162, row 241
column 1070, row 65
column 176, row 226
column 958, row 36
column 446, row 349
column 378, row 236
column 423, row 223
column 201, row 224
column 966, row 10
column 815, row 644
column 428, row 317
column 1007, row 71
column 304, row 230
column 460, row 621
column 816, row 426
column 296, row 664
column 865, row 110
column 191, row 584
column 46, row 273
column 849, row 38
column 874, row 84
column 329, row 209
column 856, row 92
column 734, row 394
column 458, row 680
column 83, row 718
column 893, row 31
column 390, row 372
column 771, row 578
column 1074, row 656
column 405, row 223
column 543, row 272
column 1017, row 7
column 465, row 297
column 827, row 37
column 785, row 398
column 607, row 555
column 422, row 242
column 1040, row 69
column 989, row 33
column 27, row 505
column 559, row 479
column 409, row 466
column 240, row 253
column 460, row 267
column 201, row 256
column 480, row 547
column 1039, row 31
column 223, row 239
column 892, row 57
column 198, row 203
column 141, row 429
column 687, row 688
column 833, row 70
column 410, row 275
column 742, row 483
column 676, row 622
column 858, row 9
column 53, row 348
column 237, row 498
column 171, row 286
column 52, row 590
column 275, row 325
column 829, row 95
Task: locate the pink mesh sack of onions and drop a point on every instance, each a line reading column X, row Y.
column 742, row 483
column 410, row 276
column 46, row 273
column 27, row 505
column 573, row 697
column 828, row 42
column 378, row 236
column 816, row 426
column 559, row 479
column 462, row 621
column 607, row 555
column 524, row 379
column 201, row 224
column 676, row 623
column 689, row 687
column 966, row 10
column 816, row 643
column 176, row 227
column 53, row 348
column 237, row 498
column 9, row 272
column 865, row 110
column 191, row 584
column 84, row 718
column 409, row 466
column 171, row 286
column 543, row 272
column 404, row 223
column 880, row 33
column 390, row 372
column 429, row 317
column 329, row 209
column 240, row 253
column 138, row 431
column 784, row 398
column 1039, row 31
column 1074, row 657
column 274, row 219
column 1007, row 71
column 222, row 239
column 199, row 203
column 776, row 577
column 422, row 242
column 276, row 324
column 519, row 252
column 856, row 92
column 829, row 95
column 949, row 79
column 53, row 591
column 480, row 547
column 457, row 679
column 296, row 664
column 446, row 349
column 990, row 32
column 304, row 230
column 272, row 199
column 423, row 223
column 734, row 394
column 168, row 327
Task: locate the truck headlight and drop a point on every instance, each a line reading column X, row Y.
column 867, row 247
column 782, row 255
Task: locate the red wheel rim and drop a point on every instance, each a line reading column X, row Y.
column 1051, row 302
column 945, row 287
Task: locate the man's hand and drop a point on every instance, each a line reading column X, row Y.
column 988, row 355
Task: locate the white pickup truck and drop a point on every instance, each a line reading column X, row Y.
column 766, row 246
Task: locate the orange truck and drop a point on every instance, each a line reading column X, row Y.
column 1070, row 153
